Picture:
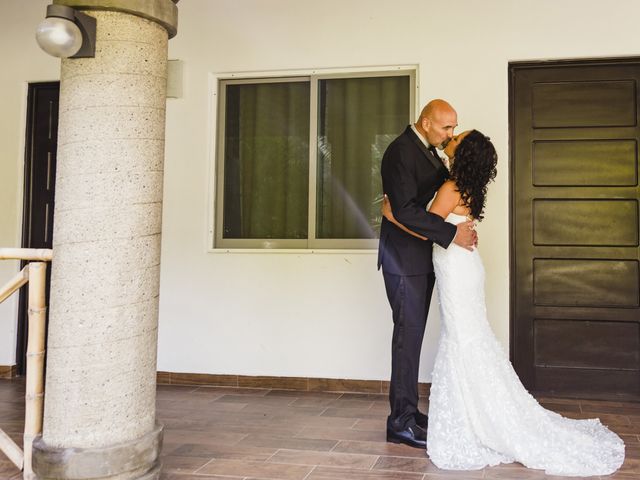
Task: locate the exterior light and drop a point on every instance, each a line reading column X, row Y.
column 67, row 33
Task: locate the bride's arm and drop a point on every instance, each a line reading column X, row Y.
column 388, row 214
column 446, row 200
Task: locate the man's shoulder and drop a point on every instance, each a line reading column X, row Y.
column 402, row 142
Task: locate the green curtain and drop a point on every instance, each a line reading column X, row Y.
column 358, row 118
column 266, row 161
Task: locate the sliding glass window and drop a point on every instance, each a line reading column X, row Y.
column 298, row 161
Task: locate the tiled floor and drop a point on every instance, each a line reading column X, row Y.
column 227, row 433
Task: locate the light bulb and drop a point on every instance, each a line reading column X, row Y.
column 59, row 37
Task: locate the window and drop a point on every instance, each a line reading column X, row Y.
column 298, row 160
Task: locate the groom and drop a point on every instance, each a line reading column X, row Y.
column 412, row 172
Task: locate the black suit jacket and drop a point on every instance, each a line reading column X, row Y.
column 411, row 176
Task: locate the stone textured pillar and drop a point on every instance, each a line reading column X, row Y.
column 99, row 419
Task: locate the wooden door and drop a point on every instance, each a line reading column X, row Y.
column 39, row 187
column 575, row 326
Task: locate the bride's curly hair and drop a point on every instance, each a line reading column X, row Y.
column 473, row 168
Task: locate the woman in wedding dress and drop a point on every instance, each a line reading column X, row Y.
column 479, row 412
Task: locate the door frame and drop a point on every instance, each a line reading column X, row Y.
column 22, row 321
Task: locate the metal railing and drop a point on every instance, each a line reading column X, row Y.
column 35, row 274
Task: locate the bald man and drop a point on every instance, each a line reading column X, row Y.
column 412, row 172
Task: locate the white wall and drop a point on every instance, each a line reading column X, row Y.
column 313, row 314
column 22, row 62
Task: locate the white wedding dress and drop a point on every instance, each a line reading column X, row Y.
column 479, row 412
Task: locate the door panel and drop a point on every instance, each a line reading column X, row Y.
column 585, row 222
column 578, row 163
column 575, row 226
column 583, row 104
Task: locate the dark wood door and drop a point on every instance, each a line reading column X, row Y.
column 39, row 187
column 574, row 215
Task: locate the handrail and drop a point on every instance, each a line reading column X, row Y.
column 14, row 284
column 35, row 273
column 40, row 254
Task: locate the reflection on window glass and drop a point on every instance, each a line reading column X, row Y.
column 357, row 119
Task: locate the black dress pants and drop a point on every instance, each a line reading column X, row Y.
column 409, row 297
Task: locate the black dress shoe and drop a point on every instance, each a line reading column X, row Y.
column 422, row 420
column 414, row 436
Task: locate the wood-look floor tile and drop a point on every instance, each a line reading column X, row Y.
column 336, row 473
column 319, row 421
column 278, row 429
column 190, row 476
column 275, row 392
column 256, row 469
column 621, row 476
column 378, row 448
column 203, row 438
column 332, row 459
column 630, row 440
column 229, row 433
column 607, row 418
column 403, row 464
column 561, row 408
column 7, row 468
column 228, row 452
column 522, row 473
column 382, row 408
column 312, row 402
column 420, row 465
column 255, row 399
column 352, row 403
column 616, row 408
column 182, row 464
column 365, row 396
column 283, row 409
column 371, row 424
column 273, row 441
column 355, row 413
column 343, row 434
column 624, row 429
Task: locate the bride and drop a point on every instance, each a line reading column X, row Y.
column 479, row 412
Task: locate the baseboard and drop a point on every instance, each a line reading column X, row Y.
column 280, row 383
column 8, row 371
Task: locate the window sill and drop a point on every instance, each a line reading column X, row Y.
column 298, row 251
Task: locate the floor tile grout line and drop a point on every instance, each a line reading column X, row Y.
column 273, row 455
column 195, row 472
column 310, row 472
column 376, row 462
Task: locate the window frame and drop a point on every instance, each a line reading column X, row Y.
column 217, row 87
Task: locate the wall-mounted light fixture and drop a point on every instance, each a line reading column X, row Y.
column 67, row 33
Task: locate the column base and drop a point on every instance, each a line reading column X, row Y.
column 138, row 459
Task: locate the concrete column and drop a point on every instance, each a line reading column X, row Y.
column 99, row 419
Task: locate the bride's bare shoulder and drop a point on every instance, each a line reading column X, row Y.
column 449, row 190
column 446, row 199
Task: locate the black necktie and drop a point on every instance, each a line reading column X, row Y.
column 432, row 149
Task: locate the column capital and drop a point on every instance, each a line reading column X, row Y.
column 163, row 12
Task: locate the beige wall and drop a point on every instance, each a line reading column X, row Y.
column 303, row 313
